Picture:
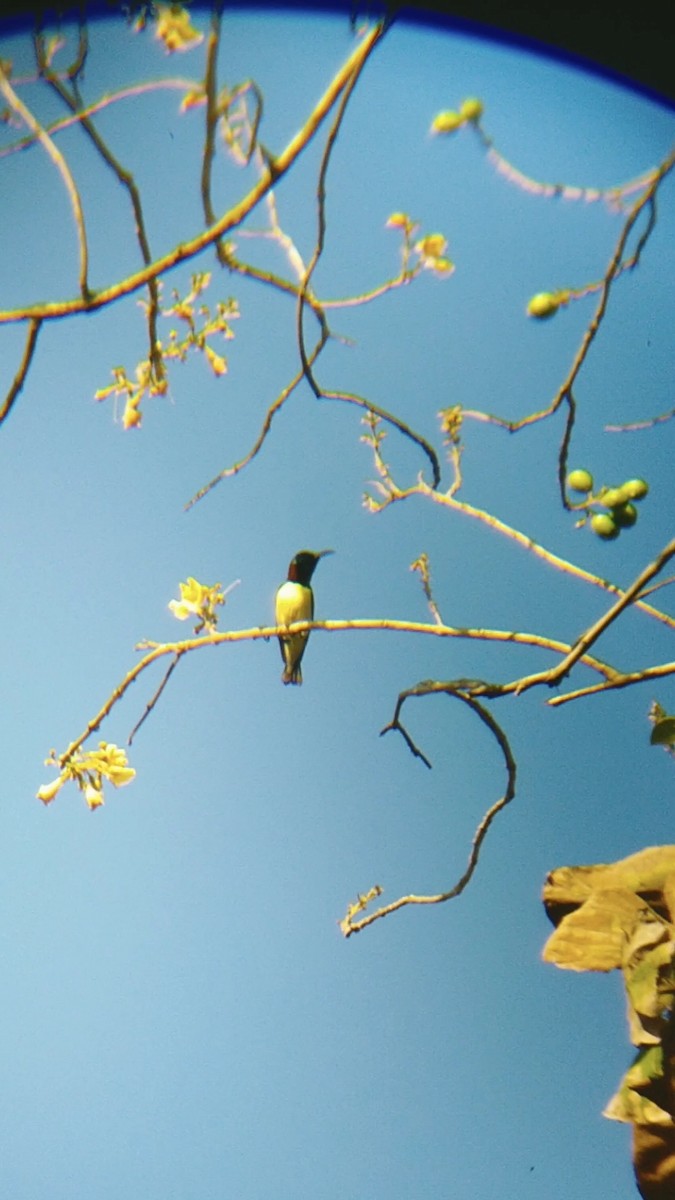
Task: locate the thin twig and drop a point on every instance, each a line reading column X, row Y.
column 56, row 310
column 661, row 671
column 211, row 116
column 152, row 702
column 127, row 180
column 591, row 635
column 158, row 650
column 528, row 543
column 614, row 269
column 348, row 925
column 127, row 93
column 634, row 426
column 64, row 170
column 19, row 379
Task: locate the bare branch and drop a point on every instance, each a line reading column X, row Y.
column 20, row 377
column 55, row 310
column 64, row 171
column 614, row 269
column 633, row 426
column 620, row 681
column 349, row 925
column 152, row 702
column 127, row 180
column 159, row 650
column 554, row 560
column 587, row 639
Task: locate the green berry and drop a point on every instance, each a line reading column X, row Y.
column 635, row 489
column 580, row 481
column 447, row 122
column 471, row 109
column 604, row 526
column 543, row 305
column 624, row 515
column 613, row 497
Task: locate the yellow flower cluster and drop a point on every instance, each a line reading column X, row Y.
column 173, row 28
column 89, row 770
column 199, row 600
column 430, row 249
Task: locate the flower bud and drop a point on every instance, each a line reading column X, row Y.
column 447, row 122
column 543, row 305
column 471, row 109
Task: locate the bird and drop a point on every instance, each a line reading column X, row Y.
column 295, row 602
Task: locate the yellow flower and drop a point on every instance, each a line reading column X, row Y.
column 217, row 363
column 431, row 250
column 49, row 791
column 199, row 600
column 132, row 415
column 93, row 795
column 191, row 596
column 431, row 246
column 108, row 762
column 112, row 763
column 174, row 28
column 398, row 220
column 442, row 266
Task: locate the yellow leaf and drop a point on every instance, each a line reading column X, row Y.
column 595, row 935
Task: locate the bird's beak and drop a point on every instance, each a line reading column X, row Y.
column 323, row 553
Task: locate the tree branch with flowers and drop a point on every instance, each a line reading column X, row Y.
column 195, row 320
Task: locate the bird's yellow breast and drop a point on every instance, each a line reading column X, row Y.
column 294, row 602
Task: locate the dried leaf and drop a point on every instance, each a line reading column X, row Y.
column 594, row 936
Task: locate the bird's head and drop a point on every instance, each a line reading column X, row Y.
column 303, row 565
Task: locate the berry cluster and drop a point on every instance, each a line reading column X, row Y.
column 615, row 505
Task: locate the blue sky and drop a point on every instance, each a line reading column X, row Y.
column 181, row 1016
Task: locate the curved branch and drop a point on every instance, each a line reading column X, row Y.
column 20, row 377
column 127, row 180
column 349, row 925
column 159, row 650
column 308, row 360
column 614, row 269
column 635, row 426
column 210, row 84
column 127, row 93
column 271, row 413
column 621, row 681
column 591, row 635
column 554, row 560
column 64, row 171
column 56, row 310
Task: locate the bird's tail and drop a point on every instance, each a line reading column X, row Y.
column 294, row 675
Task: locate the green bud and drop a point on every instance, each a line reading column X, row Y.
column 635, row 489
column 604, row 526
column 471, row 109
column 580, row 481
column 447, row 122
column 625, row 515
column 543, row 305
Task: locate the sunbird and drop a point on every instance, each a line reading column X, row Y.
column 295, row 602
